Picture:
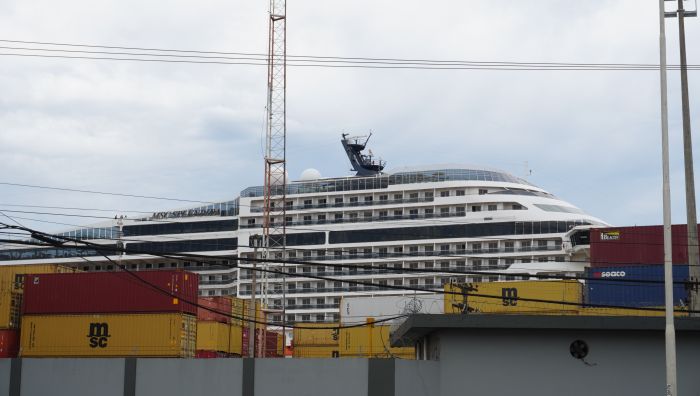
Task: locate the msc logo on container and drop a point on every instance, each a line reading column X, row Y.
column 610, row 274
column 510, row 296
column 98, row 335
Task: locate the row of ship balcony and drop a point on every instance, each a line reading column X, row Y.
column 362, row 219
column 350, row 289
column 432, row 253
column 388, row 271
column 350, row 204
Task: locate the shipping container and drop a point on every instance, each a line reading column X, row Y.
column 9, row 343
column 644, row 245
column 235, row 340
column 604, row 290
column 504, row 297
column 219, row 309
column 10, row 308
column 109, row 335
column 371, row 341
column 272, row 349
column 111, row 292
column 12, row 276
column 213, row 336
column 321, row 336
column 240, row 310
column 357, row 309
column 238, row 307
column 316, row 351
column 269, row 343
column 280, row 345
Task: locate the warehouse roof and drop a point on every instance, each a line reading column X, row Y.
column 418, row 326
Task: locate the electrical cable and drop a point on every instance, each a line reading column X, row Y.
column 318, row 61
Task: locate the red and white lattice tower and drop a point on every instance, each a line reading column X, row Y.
column 274, row 227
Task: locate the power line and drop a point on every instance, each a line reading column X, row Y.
column 315, row 58
column 107, row 193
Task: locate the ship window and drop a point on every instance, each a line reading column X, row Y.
column 398, row 282
column 398, row 196
column 459, row 193
column 476, row 208
column 483, row 191
column 428, row 195
column 383, row 197
column 368, row 199
column 445, row 193
column 493, row 207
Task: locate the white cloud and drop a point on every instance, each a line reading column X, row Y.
column 193, row 131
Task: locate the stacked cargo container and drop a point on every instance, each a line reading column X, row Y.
column 110, row 314
column 213, row 327
column 635, row 253
column 316, row 340
column 11, row 289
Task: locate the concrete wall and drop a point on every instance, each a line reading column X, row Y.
column 231, row 377
column 76, row 377
column 538, row 362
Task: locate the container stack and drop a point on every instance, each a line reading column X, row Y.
column 11, row 289
column 213, row 327
column 316, row 340
column 110, row 314
column 371, row 341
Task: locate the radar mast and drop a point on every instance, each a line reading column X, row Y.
column 363, row 164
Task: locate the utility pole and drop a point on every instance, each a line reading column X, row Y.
column 690, row 202
column 670, row 330
column 255, row 243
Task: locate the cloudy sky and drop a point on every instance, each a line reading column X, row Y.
column 194, row 131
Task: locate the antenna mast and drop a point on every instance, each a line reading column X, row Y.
column 274, row 212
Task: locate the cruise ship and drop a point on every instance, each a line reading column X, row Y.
column 446, row 217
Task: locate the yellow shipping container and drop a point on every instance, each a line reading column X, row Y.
column 105, row 335
column 10, row 307
column 504, row 297
column 316, row 337
column 235, row 340
column 316, row 352
column 370, row 341
column 280, row 344
column 241, row 308
column 213, row 336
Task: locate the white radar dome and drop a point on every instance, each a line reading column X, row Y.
column 310, row 174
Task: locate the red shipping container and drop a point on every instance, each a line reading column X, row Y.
column 203, row 354
column 218, row 304
column 9, row 343
column 270, row 343
column 111, row 292
column 643, row 245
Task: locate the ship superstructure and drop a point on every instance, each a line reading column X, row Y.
column 449, row 217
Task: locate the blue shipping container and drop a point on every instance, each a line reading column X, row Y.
column 632, row 294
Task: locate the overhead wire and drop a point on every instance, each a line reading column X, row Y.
column 245, row 58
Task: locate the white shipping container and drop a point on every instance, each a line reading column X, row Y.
column 357, row 309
